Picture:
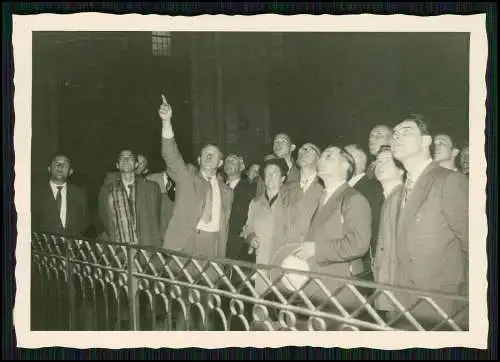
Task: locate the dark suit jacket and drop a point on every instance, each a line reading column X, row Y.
column 341, row 230
column 167, row 205
column 299, row 208
column 372, row 190
column 191, row 190
column 147, row 207
column 432, row 234
column 242, row 195
column 45, row 217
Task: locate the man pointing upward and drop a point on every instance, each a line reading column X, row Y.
column 199, row 223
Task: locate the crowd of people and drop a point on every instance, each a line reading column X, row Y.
column 397, row 214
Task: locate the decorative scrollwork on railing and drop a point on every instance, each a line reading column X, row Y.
column 110, row 286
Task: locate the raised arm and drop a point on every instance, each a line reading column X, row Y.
column 357, row 233
column 169, row 150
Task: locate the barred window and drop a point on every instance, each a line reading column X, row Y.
column 162, row 43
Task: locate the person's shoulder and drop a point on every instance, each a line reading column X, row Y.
column 455, row 180
column 290, row 186
column 77, row 190
column 148, row 183
column 154, row 176
column 353, row 196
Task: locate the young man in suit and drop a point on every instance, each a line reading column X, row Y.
column 340, row 230
column 432, row 228
column 58, row 206
column 371, row 189
column 243, row 193
column 301, row 197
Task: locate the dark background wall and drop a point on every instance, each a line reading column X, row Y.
column 95, row 93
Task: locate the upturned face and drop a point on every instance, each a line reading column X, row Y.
column 385, row 167
column 282, row 146
column 307, row 155
column 210, row 158
column 331, row 163
column 379, row 136
column 407, row 140
column 232, row 165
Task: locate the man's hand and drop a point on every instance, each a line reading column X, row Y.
column 165, row 110
column 306, row 250
column 254, row 245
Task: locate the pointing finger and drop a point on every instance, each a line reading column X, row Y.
column 163, row 99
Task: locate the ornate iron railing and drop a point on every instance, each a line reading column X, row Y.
column 91, row 285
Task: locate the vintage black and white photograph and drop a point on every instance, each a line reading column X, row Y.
column 262, row 179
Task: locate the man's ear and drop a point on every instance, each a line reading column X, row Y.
column 242, row 166
column 117, row 165
column 292, row 148
column 70, row 172
column 455, row 152
column 220, row 163
column 427, row 140
column 48, row 169
column 199, row 160
column 136, row 165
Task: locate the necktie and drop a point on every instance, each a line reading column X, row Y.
column 59, row 200
column 323, row 198
column 131, row 199
column 170, row 187
column 408, row 188
column 303, row 184
column 207, row 211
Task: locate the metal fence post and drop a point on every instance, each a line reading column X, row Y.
column 71, row 287
column 132, row 291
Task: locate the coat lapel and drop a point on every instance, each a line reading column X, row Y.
column 415, row 200
column 52, row 205
column 300, row 208
column 324, row 212
column 200, row 189
column 69, row 206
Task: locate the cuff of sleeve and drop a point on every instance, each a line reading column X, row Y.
column 167, row 132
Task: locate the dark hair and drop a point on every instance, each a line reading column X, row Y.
column 59, row 154
column 282, row 165
column 421, row 123
column 350, row 160
column 130, row 150
column 283, row 134
column 347, row 156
